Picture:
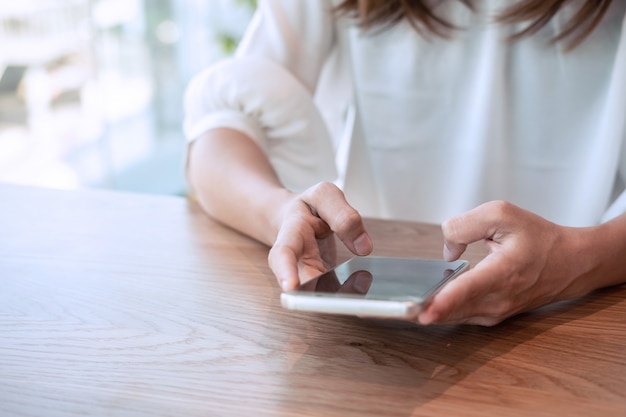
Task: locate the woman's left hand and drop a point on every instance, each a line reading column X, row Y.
column 531, row 262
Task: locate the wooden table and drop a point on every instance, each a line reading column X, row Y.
column 132, row 305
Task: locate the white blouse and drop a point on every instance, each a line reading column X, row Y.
column 422, row 128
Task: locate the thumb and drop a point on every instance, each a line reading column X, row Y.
column 460, row 231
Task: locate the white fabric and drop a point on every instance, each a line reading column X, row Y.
column 424, row 128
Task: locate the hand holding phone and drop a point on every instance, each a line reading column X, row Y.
column 374, row 286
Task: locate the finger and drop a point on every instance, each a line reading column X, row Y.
column 328, row 251
column 475, row 225
column 283, row 262
column 329, row 203
column 472, row 295
column 293, row 240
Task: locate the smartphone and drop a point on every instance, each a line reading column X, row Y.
column 375, row 286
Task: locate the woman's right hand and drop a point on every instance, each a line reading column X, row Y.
column 235, row 184
column 306, row 226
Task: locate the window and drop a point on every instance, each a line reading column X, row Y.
column 91, row 90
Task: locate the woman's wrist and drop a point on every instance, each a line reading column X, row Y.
column 599, row 257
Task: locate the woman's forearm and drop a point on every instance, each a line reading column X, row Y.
column 234, row 183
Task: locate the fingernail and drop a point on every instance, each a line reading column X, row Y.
column 284, row 285
column 363, row 244
column 425, row 319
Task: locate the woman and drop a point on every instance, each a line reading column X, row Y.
column 503, row 123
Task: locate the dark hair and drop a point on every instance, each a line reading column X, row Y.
column 420, row 14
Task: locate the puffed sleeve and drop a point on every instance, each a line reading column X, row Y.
column 266, row 90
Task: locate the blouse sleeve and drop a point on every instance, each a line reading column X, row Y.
column 266, row 91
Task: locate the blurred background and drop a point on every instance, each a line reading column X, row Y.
column 91, row 90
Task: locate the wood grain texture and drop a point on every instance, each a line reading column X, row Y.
column 132, row 305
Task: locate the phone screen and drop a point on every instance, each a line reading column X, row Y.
column 383, row 278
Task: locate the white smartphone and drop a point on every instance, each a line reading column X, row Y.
column 375, row 286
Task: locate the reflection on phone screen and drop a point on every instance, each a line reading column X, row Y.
column 385, row 278
column 358, row 282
